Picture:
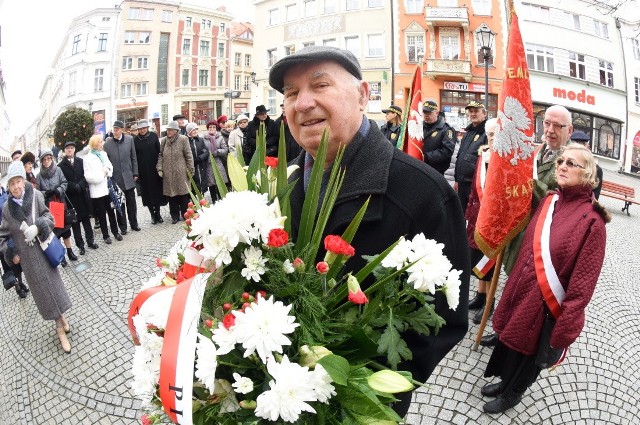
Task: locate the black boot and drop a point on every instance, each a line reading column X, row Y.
column 63, row 263
column 154, row 220
column 21, row 292
column 505, row 401
column 477, row 318
column 159, row 217
column 489, row 340
column 21, row 283
column 478, row 301
column 492, row 390
column 71, row 255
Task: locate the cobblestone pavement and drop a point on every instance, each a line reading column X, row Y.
column 39, row 384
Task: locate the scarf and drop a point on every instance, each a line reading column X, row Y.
column 47, row 173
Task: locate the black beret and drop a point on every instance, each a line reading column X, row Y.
column 313, row 54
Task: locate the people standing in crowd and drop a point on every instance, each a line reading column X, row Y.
column 26, row 220
column 227, row 129
column 53, row 184
column 559, row 287
column 11, row 271
column 375, row 171
column 468, row 153
column 471, row 215
column 439, row 138
column 200, row 155
column 238, row 137
column 391, row 128
column 557, row 129
column 78, row 195
column 147, row 147
column 16, row 155
column 293, row 148
column 133, row 130
column 122, row 155
column 582, row 138
column 97, row 170
column 221, row 120
column 219, row 149
column 29, row 159
column 182, row 123
column 175, row 166
column 249, row 147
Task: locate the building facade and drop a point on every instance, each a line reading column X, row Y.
column 630, row 162
column 242, row 75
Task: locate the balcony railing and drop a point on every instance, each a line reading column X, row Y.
column 446, row 16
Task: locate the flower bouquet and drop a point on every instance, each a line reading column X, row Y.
column 243, row 325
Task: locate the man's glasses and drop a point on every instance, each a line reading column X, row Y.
column 570, row 163
column 548, row 124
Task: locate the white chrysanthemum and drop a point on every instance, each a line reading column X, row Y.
column 254, row 263
column 176, row 251
column 287, row 266
column 289, row 392
column 228, row 401
column 243, row 385
column 217, row 248
column 262, row 327
column 431, row 267
column 452, row 289
column 206, row 363
column 398, row 257
column 322, row 384
column 153, row 281
column 156, row 313
column 224, row 338
column 146, row 366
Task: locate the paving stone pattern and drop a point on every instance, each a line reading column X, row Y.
column 599, row 382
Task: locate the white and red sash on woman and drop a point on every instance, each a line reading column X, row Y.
column 550, row 286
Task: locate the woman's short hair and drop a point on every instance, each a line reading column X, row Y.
column 588, row 176
column 95, row 142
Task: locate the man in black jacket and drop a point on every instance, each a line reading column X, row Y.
column 468, row 153
column 438, row 138
column 252, row 130
column 406, row 196
column 78, row 194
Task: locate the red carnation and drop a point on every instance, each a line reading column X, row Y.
column 271, row 161
column 358, row 297
column 322, row 267
column 228, row 320
column 145, row 420
column 338, row 246
column 277, row 238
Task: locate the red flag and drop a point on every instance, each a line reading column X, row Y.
column 413, row 143
column 507, row 193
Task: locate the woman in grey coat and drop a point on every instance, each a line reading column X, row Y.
column 219, row 149
column 18, row 223
column 53, row 185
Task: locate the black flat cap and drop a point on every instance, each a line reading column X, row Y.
column 70, row 144
column 580, row 136
column 313, row 54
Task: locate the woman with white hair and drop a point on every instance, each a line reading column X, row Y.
column 27, row 221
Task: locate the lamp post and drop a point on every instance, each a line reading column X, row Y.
column 486, row 41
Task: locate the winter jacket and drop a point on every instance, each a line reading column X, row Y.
column 577, row 247
column 391, row 132
column 468, row 152
column 439, row 143
column 175, row 165
column 95, row 164
column 406, row 198
column 200, row 154
column 219, row 150
column 77, row 186
column 51, row 182
column 122, row 154
column 293, row 148
column 147, row 151
column 249, row 148
column 237, row 138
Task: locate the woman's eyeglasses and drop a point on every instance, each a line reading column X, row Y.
column 570, row 163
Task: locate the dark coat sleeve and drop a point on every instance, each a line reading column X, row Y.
column 440, row 157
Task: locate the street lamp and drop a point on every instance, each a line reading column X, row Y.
column 486, row 41
column 253, row 78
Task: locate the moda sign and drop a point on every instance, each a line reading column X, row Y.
column 581, row 96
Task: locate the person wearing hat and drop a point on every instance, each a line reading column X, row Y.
column 272, row 134
column 147, row 147
column 439, row 141
column 29, row 160
column 293, row 148
column 53, row 184
column 26, row 221
column 16, row 155
column 467, row 159
column 584, row 139
column 238, row 136
column 219, row 148
column 182, row 123
column 391, row 128
column 200, row 154
column 78, row 195
column 122, row 154
column 175, row 166
column 133, row 130
column 406, row 197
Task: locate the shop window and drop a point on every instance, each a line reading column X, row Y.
column 576, row 66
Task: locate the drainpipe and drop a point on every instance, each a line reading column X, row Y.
column 626, row 103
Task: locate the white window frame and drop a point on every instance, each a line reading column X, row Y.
column 186, row 42
column 536, row 53
column 271, row 57
column 75, row 46
column 98, row 80
column 222, row 27
column 188, row 22
column 126, row 90
column 413, row 6
column 449, row 42
column 351, row 5
column 635, row 46
column 167, row 16
column 415, row 44
column 236, row 82
column 353, row 44
column 606, row 72
column 143, row 62
column 636, row 84
column 537, row 13
column 127, row 63
column 481, row 7
column 580, row 66
column 332, row 42
column 273, row 17
column 601, row 29
column 185, row 77
column 205, row 47
column 375, row 4
column 144, row 40
column 203, row 73
column 129, row 37
column 310, row 8
column 330, row 7
column 247, row 60
column 291, row 12
column 146, row 15
column 142, row 88
column 221, row 49
column 237, row 59
column 575, row 21
column 220, row 78
column 134, row 13
column 375, row 45
column 102, row 42
column 289, row 50
column 247, row 81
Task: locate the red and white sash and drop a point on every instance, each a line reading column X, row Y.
column 550, row 285
column 483, row 266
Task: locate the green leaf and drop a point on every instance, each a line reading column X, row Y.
column 237, row 176
column 222, row 188
column 348, row 235
column 392, row 343
column 337, row 367
column 424, row 320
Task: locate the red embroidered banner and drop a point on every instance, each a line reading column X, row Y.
column 413, row 142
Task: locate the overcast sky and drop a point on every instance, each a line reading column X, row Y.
column 31, row 35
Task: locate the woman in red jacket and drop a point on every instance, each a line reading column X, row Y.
column 555, row 274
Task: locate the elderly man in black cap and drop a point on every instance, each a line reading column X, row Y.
column 391, row 128
column 273, row 134
column 323, row 88
column 182, row 123
column 122, row 154
column 584, row 139
column 78, row 194
column 439, row 141
column 468, row 153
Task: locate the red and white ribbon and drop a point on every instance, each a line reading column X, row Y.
column 194, row 263
column 137, row 304
column 178, row 349
column 483, row 266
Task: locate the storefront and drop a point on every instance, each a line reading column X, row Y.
column 599, row 112
column 131, row 112
column 455, row 96
column 635, row 155
column 201, row 112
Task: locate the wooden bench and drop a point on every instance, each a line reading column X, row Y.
column 621, row 192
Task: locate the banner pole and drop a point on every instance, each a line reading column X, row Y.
column 490, row 297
